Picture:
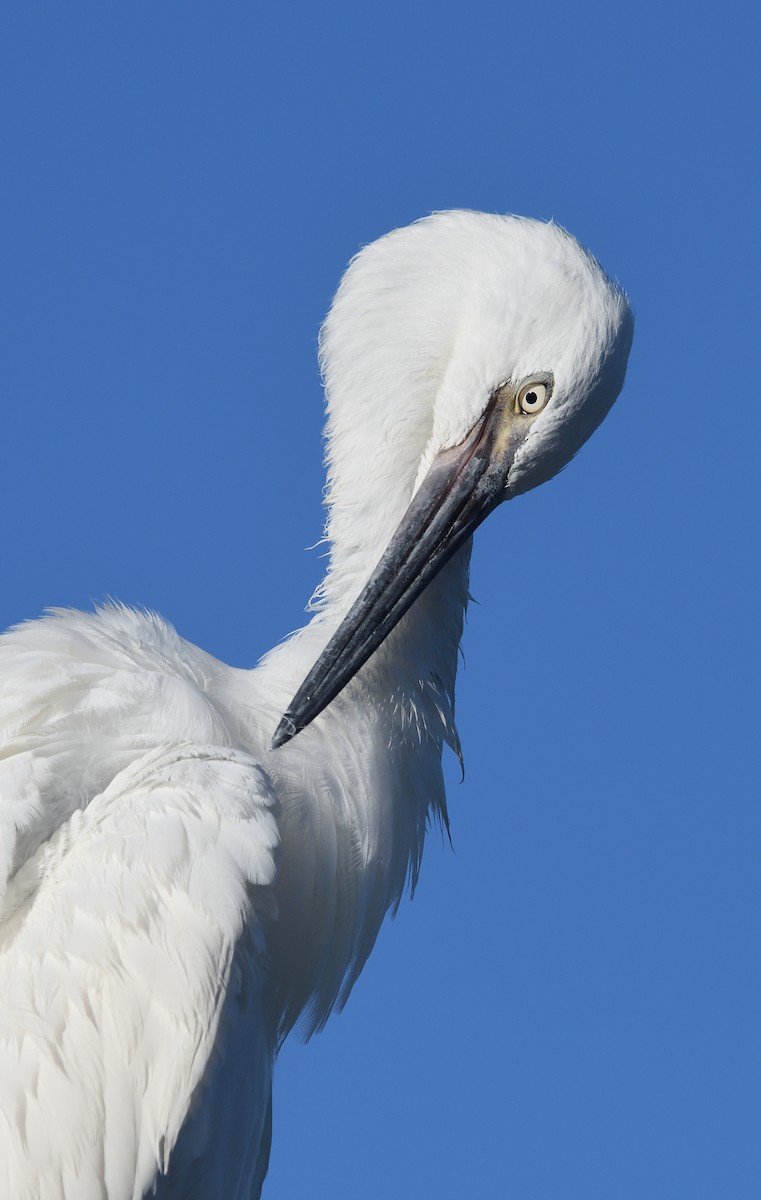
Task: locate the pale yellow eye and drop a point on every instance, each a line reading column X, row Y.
column 532, row 397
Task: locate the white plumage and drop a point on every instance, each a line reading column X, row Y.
column 176, row 893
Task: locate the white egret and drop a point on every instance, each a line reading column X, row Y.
column 178, row 887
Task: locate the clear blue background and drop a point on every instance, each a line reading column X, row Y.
column 570, row 1006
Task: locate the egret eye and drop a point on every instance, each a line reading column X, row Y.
column 532, row 397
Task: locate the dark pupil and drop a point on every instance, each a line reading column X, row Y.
column 531, row 397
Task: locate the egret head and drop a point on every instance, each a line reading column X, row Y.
column 495, row 347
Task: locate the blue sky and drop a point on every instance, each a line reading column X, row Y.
column 569, row 1008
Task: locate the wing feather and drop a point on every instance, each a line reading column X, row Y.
column 139, row 861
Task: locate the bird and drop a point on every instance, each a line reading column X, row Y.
column 195, row 859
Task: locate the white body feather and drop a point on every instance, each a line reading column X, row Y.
column 175, row 895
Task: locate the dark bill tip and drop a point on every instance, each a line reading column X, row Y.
column 284, row 732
